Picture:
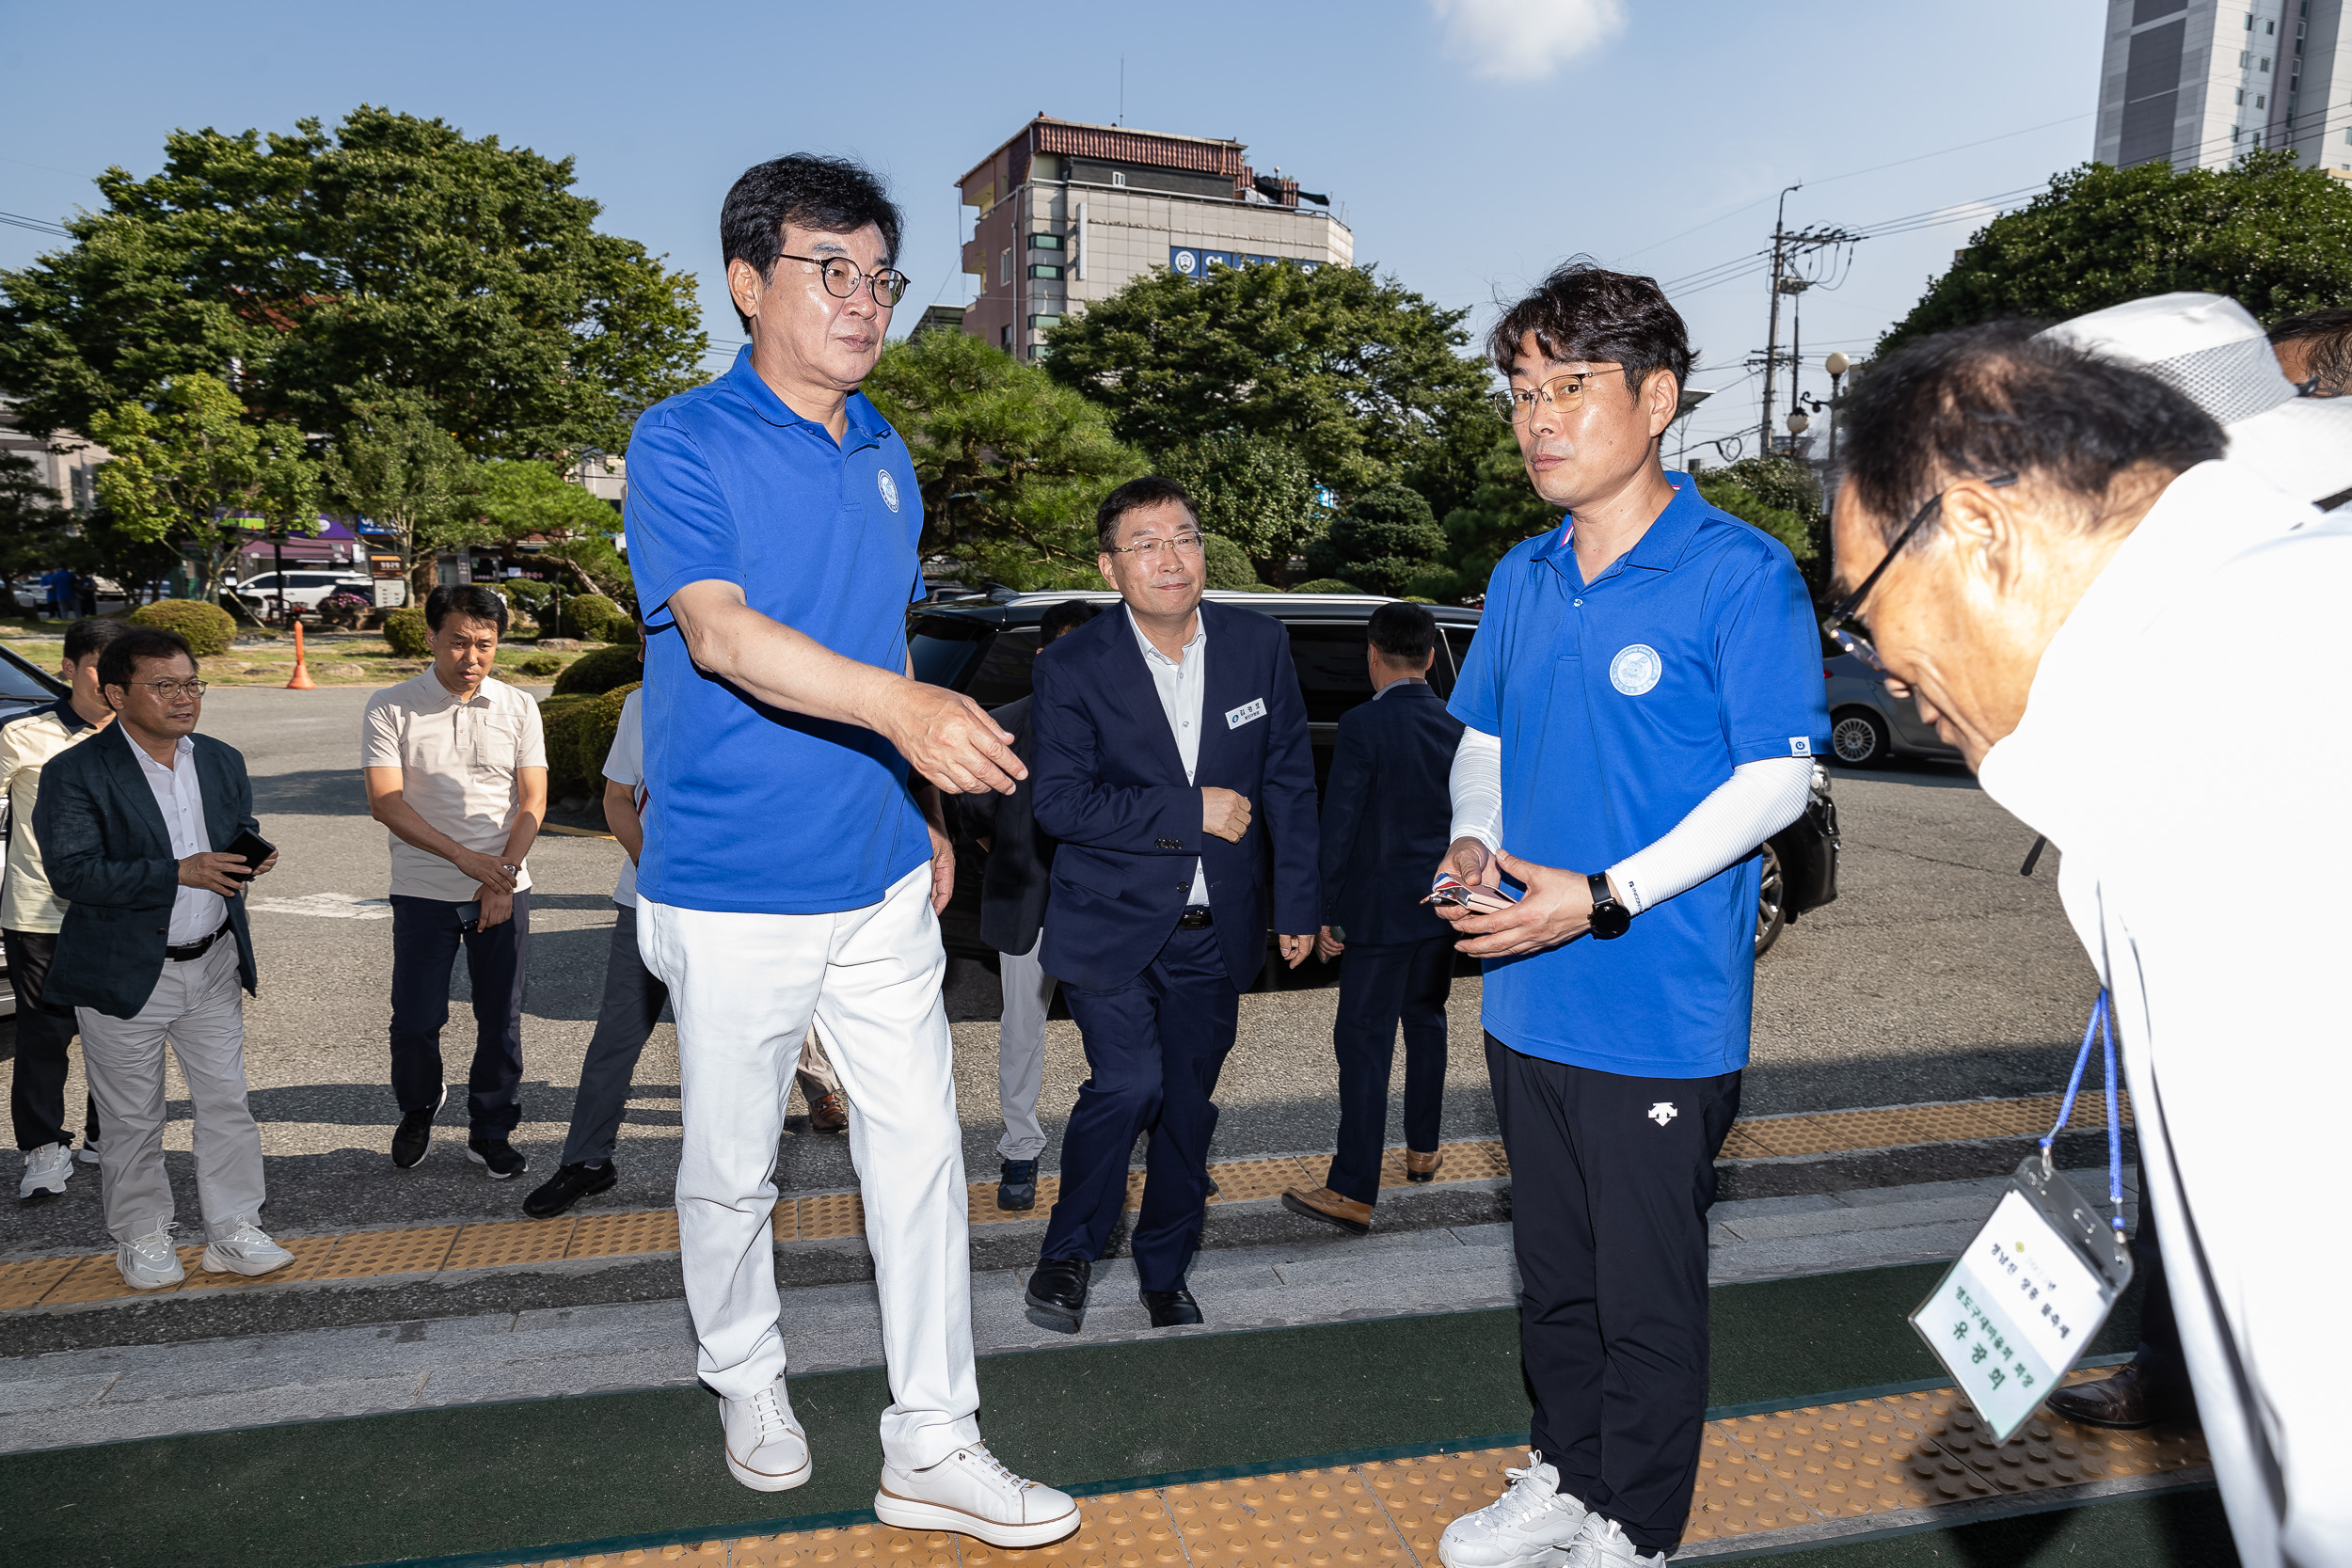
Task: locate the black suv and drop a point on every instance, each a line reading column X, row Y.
column 983, row 650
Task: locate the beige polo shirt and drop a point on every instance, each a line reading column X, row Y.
column 27, row 903
column 457, row 762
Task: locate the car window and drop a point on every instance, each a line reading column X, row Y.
column 312, row 580
column 1457, row 643
column 18, row 682
column 1332, row 674
column 1004, row 672
column 943, row 649
column 263, row 583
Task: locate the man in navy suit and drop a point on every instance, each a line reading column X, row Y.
column 1156, row 729
column 1390, row 810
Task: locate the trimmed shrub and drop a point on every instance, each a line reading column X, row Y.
column 594, row 673
column 1227, row 567
column 585, row 616
column 539, row 664
column 405, row 628
column 207, row 626
column 579, row 731
column 1325, row 585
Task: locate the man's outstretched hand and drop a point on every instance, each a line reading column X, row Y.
column 1556, row 907
column 949, row 740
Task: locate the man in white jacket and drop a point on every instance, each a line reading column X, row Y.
column 2123, row 635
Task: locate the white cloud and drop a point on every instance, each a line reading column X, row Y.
column 1524, row 41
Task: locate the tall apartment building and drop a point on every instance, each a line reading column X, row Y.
column 1070, row 212
column 2200, row 83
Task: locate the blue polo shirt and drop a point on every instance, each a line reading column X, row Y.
column 756, row 810
column 1622, row 703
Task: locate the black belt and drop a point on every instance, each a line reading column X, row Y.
column 189, row 951
column 1195, row 918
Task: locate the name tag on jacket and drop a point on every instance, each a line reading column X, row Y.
column 1236, row 718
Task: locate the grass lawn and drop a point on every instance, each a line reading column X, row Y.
column 335, row 659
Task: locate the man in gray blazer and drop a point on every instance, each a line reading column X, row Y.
column 153, row 949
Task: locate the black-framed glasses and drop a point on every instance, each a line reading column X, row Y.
column 843, row 275
column 165, row 691
column 1844, row 625
column 1564, row 394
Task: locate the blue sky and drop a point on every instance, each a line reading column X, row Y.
column 1472, row 142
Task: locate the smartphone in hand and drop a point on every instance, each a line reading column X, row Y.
column 254, row 848
column 1478, row 899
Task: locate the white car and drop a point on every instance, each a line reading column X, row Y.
column 304, row 589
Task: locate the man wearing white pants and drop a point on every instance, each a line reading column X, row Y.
column 794, row 868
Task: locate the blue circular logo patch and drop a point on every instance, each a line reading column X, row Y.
column 1635, row 668
column 888, row 487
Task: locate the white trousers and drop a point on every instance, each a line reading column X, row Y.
column 745, row 988
column 1021, row 1051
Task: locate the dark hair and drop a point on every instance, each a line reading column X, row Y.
column 2327, row 337
column 1585, row 312
column 1136, row 493
column 118, row 662
column 832, row 196
column 90, row 636
column 1999, row 399
column 1405, row 633
column 1067, row 616
column 469, row 600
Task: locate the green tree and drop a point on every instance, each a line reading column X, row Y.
column 1502, row 509
column 1782, row 498
column 1387, row 541
column 393, row 250
column 1358, row 375
column 2273, row 233
column 1011, row 465
column 189, row 466
column 32, row 525
column 1253, row 490
column 394, row 464
column 517, row 500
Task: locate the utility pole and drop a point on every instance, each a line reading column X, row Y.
column 1788, row 246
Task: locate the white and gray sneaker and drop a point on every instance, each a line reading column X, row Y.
column 1531, row 1526
column 1603, row 1545
column 246, row 1249
column 46, row 1169
column 150, row 1263
column 971, row 1492
column 88, row 1153
column 766, row 1450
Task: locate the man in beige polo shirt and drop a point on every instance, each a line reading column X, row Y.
column 456, row 767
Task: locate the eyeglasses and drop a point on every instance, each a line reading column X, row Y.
column 165, row 691
column 1183, row 544
column 1562, row 394
column 1844, row 625
column 843, row 275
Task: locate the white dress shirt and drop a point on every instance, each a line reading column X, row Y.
column 196, row 911
column 1180, row 683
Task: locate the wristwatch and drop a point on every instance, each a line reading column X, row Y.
column 1610, row 919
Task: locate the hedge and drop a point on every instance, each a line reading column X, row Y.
column 584, row 616
column 406, row 630
column 1324, row 585
column 207, row 627
column 600, row 671
column 579, row 731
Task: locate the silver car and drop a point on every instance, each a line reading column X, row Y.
column 1867, row 726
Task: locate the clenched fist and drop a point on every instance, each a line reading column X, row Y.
column 1224, row 814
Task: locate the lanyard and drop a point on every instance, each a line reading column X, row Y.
column 2099, row 1025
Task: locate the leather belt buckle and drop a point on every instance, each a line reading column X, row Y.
column 188, row 952
column 1195, row 918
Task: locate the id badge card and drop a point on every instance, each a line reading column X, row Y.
column 2023, row 1302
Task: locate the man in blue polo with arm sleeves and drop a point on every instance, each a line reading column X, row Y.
column 794, row 868
column 1641, row 704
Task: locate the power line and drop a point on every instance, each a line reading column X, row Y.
column 38, row 225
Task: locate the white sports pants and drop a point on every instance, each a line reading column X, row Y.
column 745, row 988
column 1021, row 1051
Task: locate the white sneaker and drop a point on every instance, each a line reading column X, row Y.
column 46, row 1169
column 88, row 1153
column 246, row 1250
column 1603, row 1545
column 150, row 1263
column 767, row 1450
column 971, row 1492
column 1531, row 1526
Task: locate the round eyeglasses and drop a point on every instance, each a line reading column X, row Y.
column 843, row 275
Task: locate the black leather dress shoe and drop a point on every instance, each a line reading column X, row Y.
column 1057, row 1296
column 568, row 1186
column 1016, row 1186
column 2125, row 1401
column 1171, row 1308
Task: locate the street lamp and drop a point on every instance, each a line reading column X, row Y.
column 1798, row 420
column 1838, row 365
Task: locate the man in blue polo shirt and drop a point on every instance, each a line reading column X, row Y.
column 1642, row 706
column 796, row 866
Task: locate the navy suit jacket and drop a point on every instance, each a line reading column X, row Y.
column 1107, row 782
column 1388, row 815
column 108, row 854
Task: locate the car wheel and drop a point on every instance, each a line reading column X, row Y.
column 1858, row 737
column 1772, row 902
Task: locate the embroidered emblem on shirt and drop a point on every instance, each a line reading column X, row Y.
column 1635, row 668
column 1663, row 1112
column 1236, row 718
column 888, row 487
column 1800, row 744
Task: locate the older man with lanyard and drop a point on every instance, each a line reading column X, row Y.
column 1642, row 702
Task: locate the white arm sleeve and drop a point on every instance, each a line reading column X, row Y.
column 1756, row 802
column 1477, row 789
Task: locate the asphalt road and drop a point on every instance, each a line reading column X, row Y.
column 1939, row 974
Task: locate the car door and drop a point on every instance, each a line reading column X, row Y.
column 1329, row 656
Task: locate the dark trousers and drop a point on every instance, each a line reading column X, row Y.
column 1610, row 1181
column 1378, row 988
column 426, row 934
column 633, row 1005
column 1154, row 1046
column 2159, row 1356
column 43, row 1033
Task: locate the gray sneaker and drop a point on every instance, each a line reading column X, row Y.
column 46, row 1171
column 151, row 1262
column 246, row 1250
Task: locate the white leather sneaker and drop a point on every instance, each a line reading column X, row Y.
column 1531, row 1526
column 150, row 1263
column 46, row 1169
column 767, row 1450
column 1603, row 1545
column 971, row 1492
column 246, row 1250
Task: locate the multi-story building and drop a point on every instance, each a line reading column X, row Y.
column 2200, row 83
column 1070, row 212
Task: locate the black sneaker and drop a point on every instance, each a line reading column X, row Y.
column 568, row 1186
column 415, row 1134
column 1016, row 1189
column 498, row 1156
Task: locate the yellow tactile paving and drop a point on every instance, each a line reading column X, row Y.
column 508, row 1243
column 625, row 1235
column 1240, row 1180
column 23, row 1284
column 832, row 1214
column 314, row 1260
column 1891, row 1127
column 365, row 1253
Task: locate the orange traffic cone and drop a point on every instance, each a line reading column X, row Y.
column 302, row 681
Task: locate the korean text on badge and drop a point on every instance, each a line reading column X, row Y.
column 1236, row 718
